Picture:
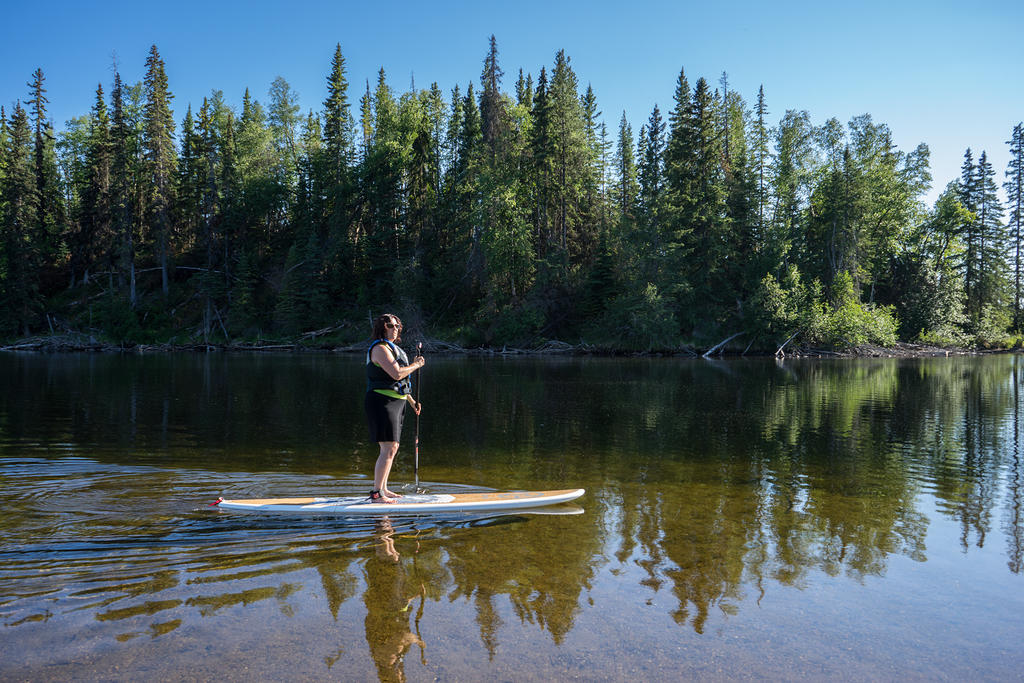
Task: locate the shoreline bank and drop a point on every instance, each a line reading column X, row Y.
column 81, row 343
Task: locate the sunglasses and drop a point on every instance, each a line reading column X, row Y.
column 393, row 326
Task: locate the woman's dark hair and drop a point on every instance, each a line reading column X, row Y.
column 381, row 321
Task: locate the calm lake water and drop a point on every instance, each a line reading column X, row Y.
column 848, row 519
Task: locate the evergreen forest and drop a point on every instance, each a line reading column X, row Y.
column 504, row 212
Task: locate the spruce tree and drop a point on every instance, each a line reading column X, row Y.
column 651, row 176
column 680, row 161
column 992, row 243
column 381, row 197
column 38, row 101
column 337, row 144
column 967, row 193
column 124, row 200
column 50, row 210
column 4, row 141
column 542, row 155
column 493, row 117
column 309, row 191
column 191, row 177
column 159, row 152
column 467, row 191
column 790, row 171
column 571, row 161
column 338, row 233
column 592, row 182
column 745, row 263
column 283, row 119
column 231, row 227
column 96, row 239
column 337, row 120
column 434, row 109
column 20, row 258
column 208, row 176
column 1014, row 187
column 524, row 90
column 625, row 166
column 759, row 148
column 705, row 210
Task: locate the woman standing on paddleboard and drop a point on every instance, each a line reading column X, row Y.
column 388, row 389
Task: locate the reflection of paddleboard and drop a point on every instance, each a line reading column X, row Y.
column 414, row 503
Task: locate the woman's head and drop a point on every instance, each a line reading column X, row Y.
column 385, row 323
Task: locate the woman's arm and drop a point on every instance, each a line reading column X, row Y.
column 382, row 356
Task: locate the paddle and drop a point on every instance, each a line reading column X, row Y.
column 416, row 449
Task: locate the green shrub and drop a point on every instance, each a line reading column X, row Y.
column 992, row 328
column 852, row 323
column 639, row 320
column 516, row 325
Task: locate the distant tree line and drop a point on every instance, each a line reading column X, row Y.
column 495, row 217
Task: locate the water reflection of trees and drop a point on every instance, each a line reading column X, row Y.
column 709, row 482
column 837, row 459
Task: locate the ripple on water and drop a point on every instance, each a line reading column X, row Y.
column 85, row 535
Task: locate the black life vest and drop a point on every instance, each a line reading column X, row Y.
column 377, row 378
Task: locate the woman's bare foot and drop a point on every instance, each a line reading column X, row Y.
column 380, row 497
column 391, row 494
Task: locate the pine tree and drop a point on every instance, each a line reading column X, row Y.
column 158, row 149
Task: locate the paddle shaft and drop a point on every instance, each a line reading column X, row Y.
column 416, row 447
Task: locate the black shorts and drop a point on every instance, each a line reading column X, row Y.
column 384, row 416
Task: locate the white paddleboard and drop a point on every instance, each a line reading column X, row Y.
column 410, row 503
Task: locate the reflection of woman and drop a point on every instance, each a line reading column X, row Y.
column 388, row 608
column 388, row 389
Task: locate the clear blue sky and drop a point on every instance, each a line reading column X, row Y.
column 944, row 73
